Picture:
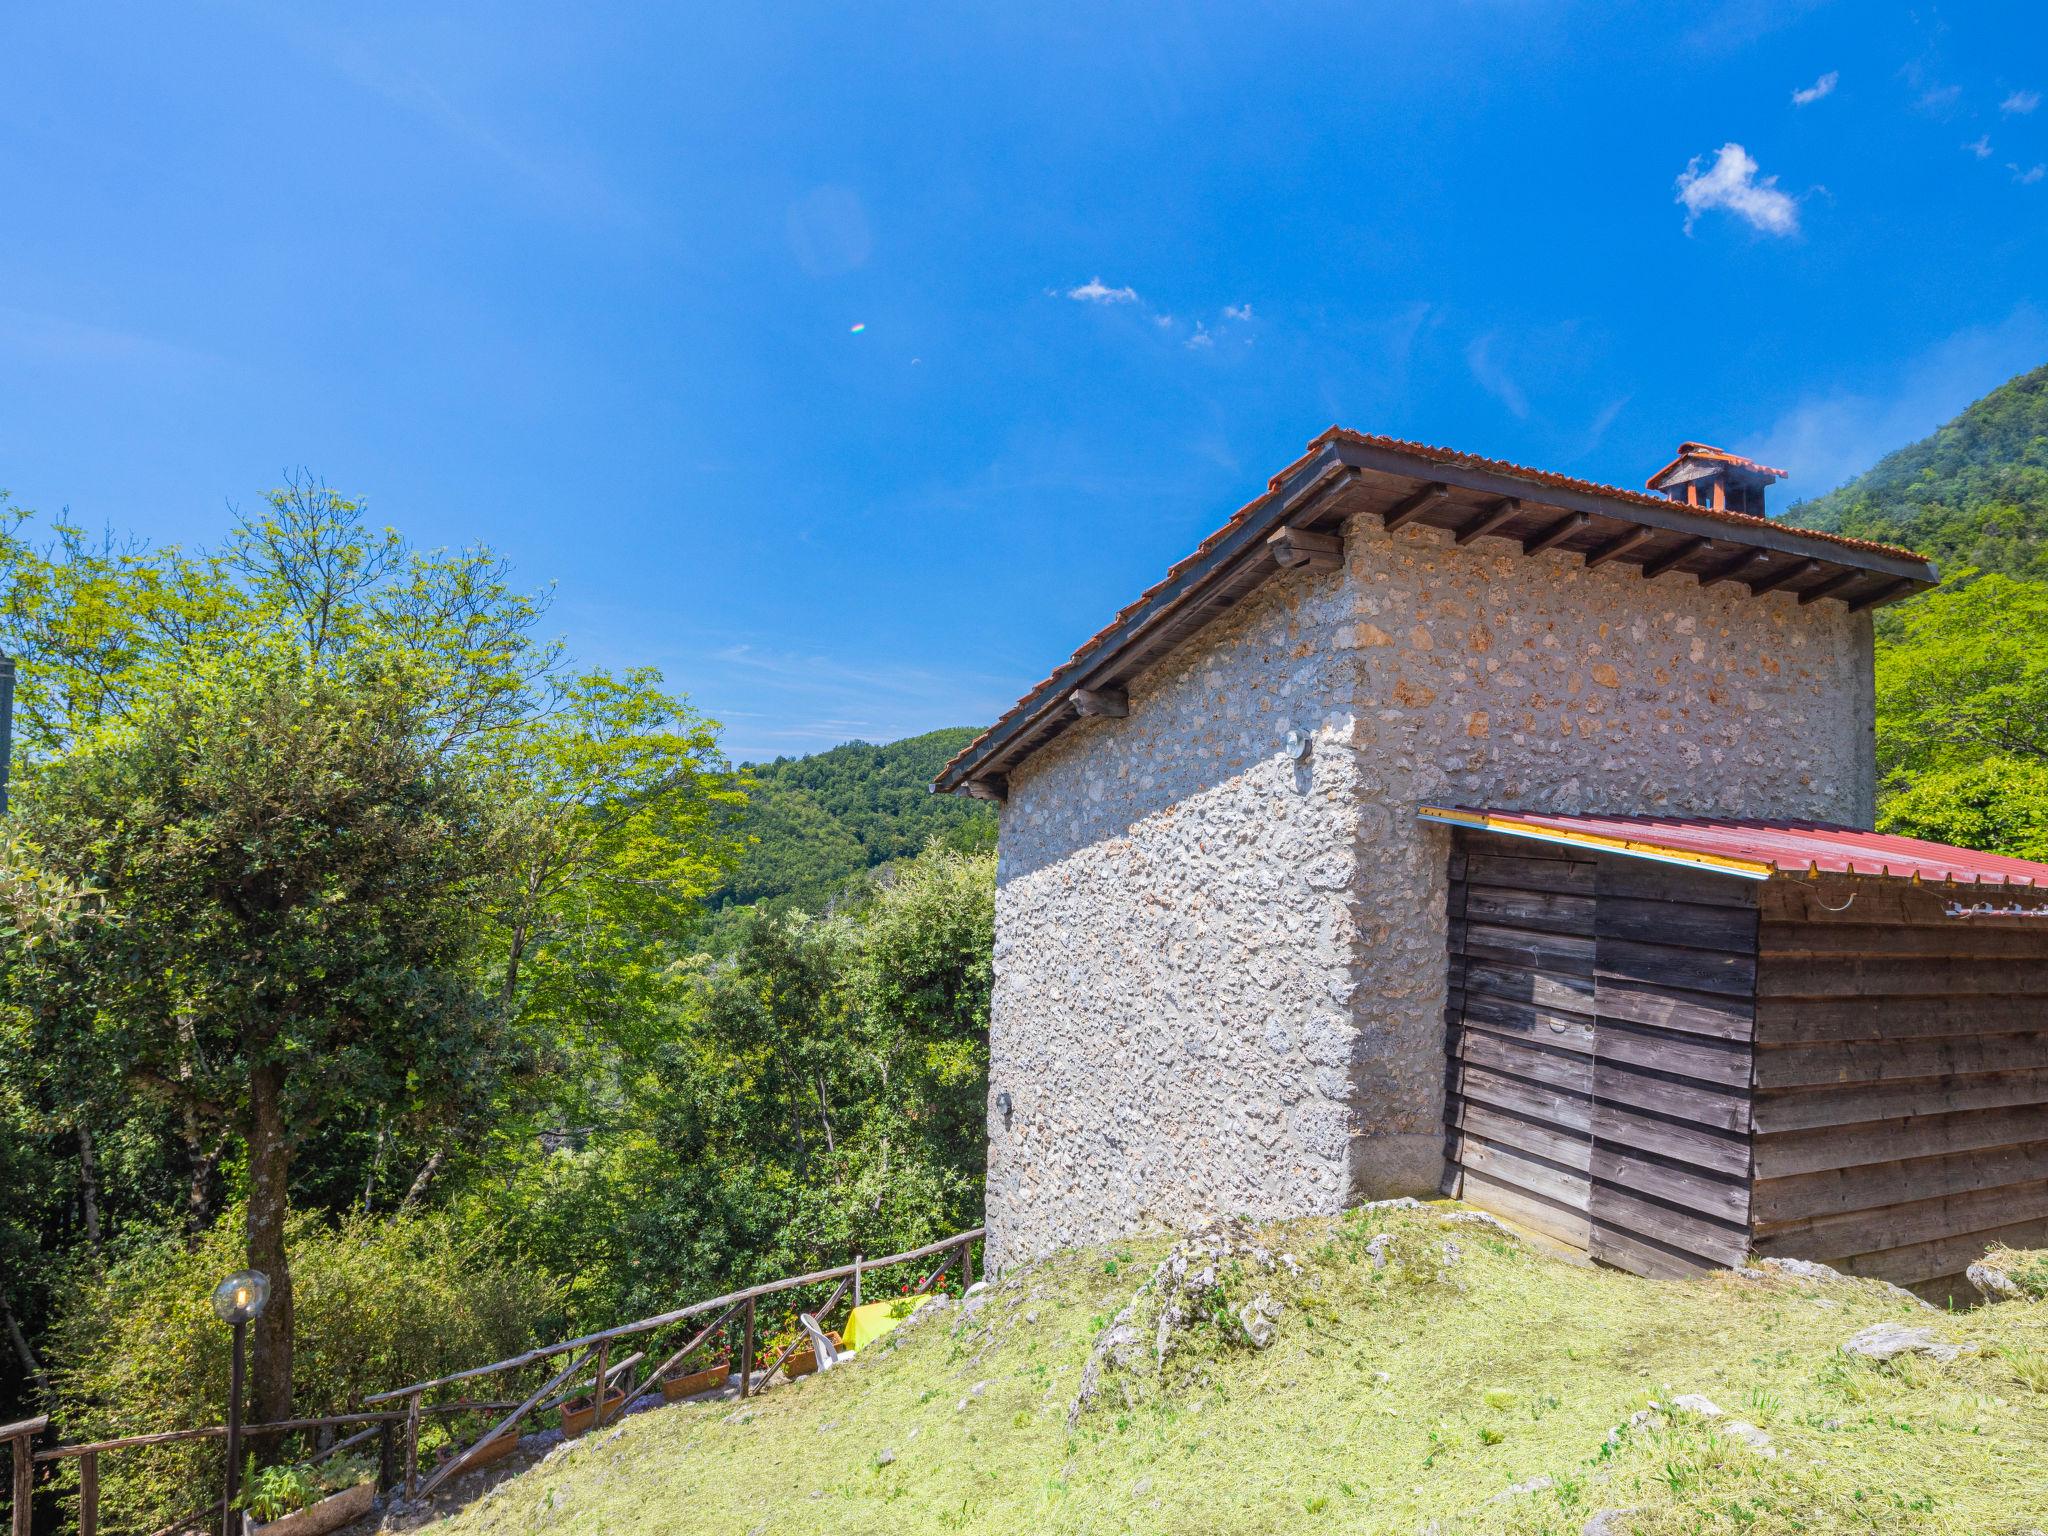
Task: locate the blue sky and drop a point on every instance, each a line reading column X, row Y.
column 583, row 283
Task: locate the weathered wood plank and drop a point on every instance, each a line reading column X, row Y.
column 1565, row 1223
column 1571, row 877
column 1552, row 1027
column 1799, row 1109
column 1616, row 1207
column 1644, row 880
column 1899, row 1226
column 1693, row 1189
column 1566, row 954
column 1567, row 1072
column 1570, row 1111
column 1781, row 1021
column 1554, row 1144
column 1687, row 924
column 1694, row 1056
column 2023, row 939
column 1919, row 1263
column 1875, row 1186
column 1881, row 976
column 1542, row 911
column 1628, row 1250
column 1693, row 970
column 1541, row 989
column 1722, row 1015
column 1533, row 1175
column 1724, row 1108
column 1885, row 1141
column 1863, row 1062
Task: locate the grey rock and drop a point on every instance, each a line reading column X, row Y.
column 1692, row 1402
column 1517, row 1490
column 1259, row 1319
column 1886, row 1341
column 1993, row 1284
column 1608, row 1522
column 886, row 1458
column 1748, row 1434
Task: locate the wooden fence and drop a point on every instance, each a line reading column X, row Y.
column 395, row 1418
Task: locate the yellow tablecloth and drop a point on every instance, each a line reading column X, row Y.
column 867, row 1323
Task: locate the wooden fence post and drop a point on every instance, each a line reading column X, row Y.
column 747, row 1351
column 604, row 1360
column 387, row 1459
column 966, row 1267
column 412, row 1445
column 22, row 1439
column 89, row 1494
column 856, row 1279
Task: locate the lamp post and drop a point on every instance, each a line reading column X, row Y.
column 237, row 1301
column 6, row 724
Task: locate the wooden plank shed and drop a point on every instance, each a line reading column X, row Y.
column 1676, row 1043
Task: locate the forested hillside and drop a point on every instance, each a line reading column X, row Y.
column 818, row 822
column 1973, row 494
column 1962, row 671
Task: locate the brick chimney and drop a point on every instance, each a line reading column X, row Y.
column 1705, row 476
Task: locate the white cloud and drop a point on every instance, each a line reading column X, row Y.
column 1980, row 146
column 2028, row 176
column 1201, row 338
column 2020, row 103
column 1806, row 96
column 1732, row 183
column 1237, row 311
column 1833, row 434
column 1095, row 291
column 1493, row 378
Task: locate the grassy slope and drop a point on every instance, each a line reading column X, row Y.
column 1504, row 1366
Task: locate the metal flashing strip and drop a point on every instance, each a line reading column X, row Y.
column 1748, row 869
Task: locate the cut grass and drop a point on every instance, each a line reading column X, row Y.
column 1491, row 1393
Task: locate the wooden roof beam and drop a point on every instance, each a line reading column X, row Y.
column 1672, row 559
column 1297, row 547
column 1306, row 504
column 1778, row 578
column 1503, row 511
column 1616, row 547
column 1831, row 586
column 1100, row 703
column 1556, row 533
column 1737, row 569
column 1883, row 594
column 1412, row 507
column 992, row 787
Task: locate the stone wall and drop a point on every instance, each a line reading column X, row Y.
column 1220, row 969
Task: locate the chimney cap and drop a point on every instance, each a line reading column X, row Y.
column 1705, row 456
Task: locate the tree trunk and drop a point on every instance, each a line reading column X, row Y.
column 31, row 1367
column 89, row 1187
column 425, row 1177
column 269, row 1202
column 205, row 1161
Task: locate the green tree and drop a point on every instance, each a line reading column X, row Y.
column 289, row 881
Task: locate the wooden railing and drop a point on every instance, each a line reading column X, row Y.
column 397, row 1427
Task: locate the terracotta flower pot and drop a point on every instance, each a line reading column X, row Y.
column 805, row 1361
column 709, row 1379
column 578, row 1414
column 495, row 1449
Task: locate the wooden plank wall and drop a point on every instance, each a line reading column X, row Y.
column 1901, row 1077
column 1599, row 1050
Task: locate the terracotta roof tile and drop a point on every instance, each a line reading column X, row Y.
column 1429, row 454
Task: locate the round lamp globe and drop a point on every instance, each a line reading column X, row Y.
column 240, row 1298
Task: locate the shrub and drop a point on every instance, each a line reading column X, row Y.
column 379, row 1303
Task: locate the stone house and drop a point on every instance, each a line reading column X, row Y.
column 1223, row 932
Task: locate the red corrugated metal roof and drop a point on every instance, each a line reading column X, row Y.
column 1766, row 847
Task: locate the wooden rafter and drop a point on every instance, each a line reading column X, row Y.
column 1831, row 586
column 1100, row 703
column 1618, row 546
column 1779, row 577
column 1297, row 547
column 1411, row 507
column 1738, row 568
column 1672, row 559
column 1500, row 512
column 1556, row 533
column 1883, row 594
